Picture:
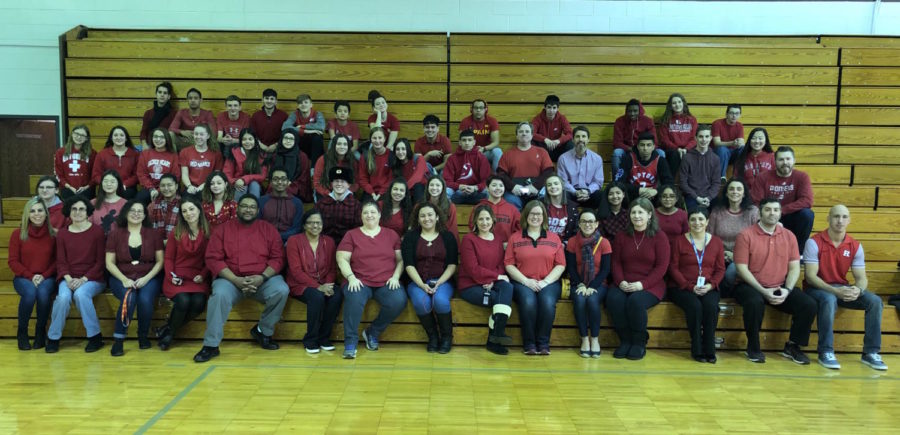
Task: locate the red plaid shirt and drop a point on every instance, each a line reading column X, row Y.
column 612, row 225
column 339, row 216
column 164, row 214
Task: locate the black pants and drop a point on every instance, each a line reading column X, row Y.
column 628, row 312
column 556, row 152
column 187, row 306
column 702, row 316
column 592, row 202
column 673, row 158
column 798, row 304
column 321, row 313
column 313, row 146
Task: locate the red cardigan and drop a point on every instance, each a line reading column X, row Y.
column 117, row 243
column 184, row 258
column 481, row 261
column 307, row 268
column 81, row 254
column 35, row 256
column 683, row 270
column 648, row 264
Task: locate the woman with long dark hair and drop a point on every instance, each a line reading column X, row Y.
column 245, row 166
column 118, row 155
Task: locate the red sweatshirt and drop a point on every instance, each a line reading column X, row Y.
column 794, row 192
column 34, row 256
column 245, row 249
column 756, row 166
column 414, row 171
column 481, row 261
column 679, row 132
column 234, row 168
column 683, row 270
column 72, row 170
column 81, row 254
column 307, row 268
column 378, row 181
column 626, row 131
column 126, row 166
column 647, row 263
column 557, row 128
column 184, row 258
column 467, row 167
column 152, row 165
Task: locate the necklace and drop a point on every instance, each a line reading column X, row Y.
column 637, row 245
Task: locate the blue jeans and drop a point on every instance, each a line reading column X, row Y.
column 587, row 311
column 253, row 188
column 828, row 303
column 501, row 293
column 84, row 301
column 31, row 294
column 423, row 303
column 800, row 223
column 519, row 201
column 726, row 155
column 458, row 197
column 536, row 313
column 392, row 302
column 145, row 299
column 493, row 156
column 617, row 156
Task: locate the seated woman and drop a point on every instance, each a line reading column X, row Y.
column 563, row 219
column 732, row 214
column 755, row 158
column 311, row 276
column 396, row 207
column 588, row 256
column 373, row 169
column 613, row 211
column 430, row 255
column 161, row 159
column 296, row 163
column 411, row 166
column 534, row 261
column 369, row 257
column 109, row 201
column 120, row 156
column 200, row 160
column 381, row 118
column 47, row 190
column 436, row 195
column 219, row 205
column 482, row 277
column 696, row 269
column 79, row 262
column 673, row 220
column 73, row 163
column 245, row 166
column 186, row 281
column 134, row 259
column 338, row 154
column 640, row 258
column 32, row 259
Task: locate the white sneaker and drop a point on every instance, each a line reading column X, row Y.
column 828, row 361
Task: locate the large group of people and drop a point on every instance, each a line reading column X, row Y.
column 210, row 210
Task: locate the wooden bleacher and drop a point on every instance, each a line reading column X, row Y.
column 836, row 100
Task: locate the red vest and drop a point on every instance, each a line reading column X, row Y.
column 644, row 176
column 303, row 120
column 834, row 263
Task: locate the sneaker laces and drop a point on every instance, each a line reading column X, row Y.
column 875, row 357
column 828, row 356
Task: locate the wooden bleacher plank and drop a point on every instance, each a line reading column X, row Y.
column 870, row 116
column 860, row 41
column 868, row 136
column 864, row 221
column 648, row 93
column 855, row 196
column 867, row 154
column 889, row 197
column 885, row 249
column 874, row 76
column 297, row 38
column 827, row 174
column 870, row 96
column 12, row 209
column 229, row 50
column 668, row 75
column 356, row 93
column 641, row 55
column 630, row 41
column 311, row 71
column 876, row 174
column 870, row 56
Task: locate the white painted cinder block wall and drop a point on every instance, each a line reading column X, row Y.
column 29, row 29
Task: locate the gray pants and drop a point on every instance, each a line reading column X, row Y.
column 273, row 294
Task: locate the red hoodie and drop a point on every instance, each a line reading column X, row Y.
column 234, row 168
column 414, row 170
column 126, row 166
column 679, row 132
column 626, row 131
column 380, row 179
column 558, row 128
column 467, row 167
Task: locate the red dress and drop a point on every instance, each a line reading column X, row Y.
column 186, row 259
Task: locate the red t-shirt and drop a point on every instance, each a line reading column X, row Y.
column 522, row 164
column 725, row 132
column 441, row 143
column 199, row 164
column 350, row 129
column 535, row 259
column 558, row 218
column 372, row 259
column 152, row 165
column 482, row 129
column 232, row 127
column 390, row 124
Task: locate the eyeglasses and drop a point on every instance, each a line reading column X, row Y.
column 314, row 224
column 46, row 187
column 248, row 207
column 588, row 222
column 78, row 209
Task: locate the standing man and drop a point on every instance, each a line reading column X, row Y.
column 280, row 208
column 182, row 127
column 768, row 267
column 728, row 136
column 792, row 189
column 828, row 256
column 487, row 131
column 699, row 172
column 267, row 121
column 245, row 255
column 552, row 130
column 581, row 171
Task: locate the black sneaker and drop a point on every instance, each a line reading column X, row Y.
column 755, row 356
column 497, row 348
column 94, row 344
column 206, row 353
column 52, row 346
column 118, row 348
column 264, row 341
column 622, row 351
column 144, row 343
column 794, row 353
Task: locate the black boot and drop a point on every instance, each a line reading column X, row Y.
column 22, row 337
column 165, row 342
column 144, row 342
column 498, row 332
column 40, row 338
column 118, row 347
column 638, row 346
column 427, row 321
column 445, row 324
column 94, row 343
column 496, row 348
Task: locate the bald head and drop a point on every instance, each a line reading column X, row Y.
column 838, row 218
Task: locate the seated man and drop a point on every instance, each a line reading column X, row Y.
column 644, row 171
column 552, row 130
column 267, row 121
column 466, row 172
column 487, row 131
column 828, row 256
column 244, row 255
column 434, row 146
column 309, row 125
column 182, row 127
column 728, row 136
column 341, row 124
column 280, row 208
column 524, row 168
column 768, row 267
column 792, row 189
column 230, row 123
column 340, row 209
column 581, row 171
column 163, row 210
column 506, row 215
column 627, row 129
column 699, row 173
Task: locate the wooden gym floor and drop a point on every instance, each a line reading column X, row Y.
column 403, row 389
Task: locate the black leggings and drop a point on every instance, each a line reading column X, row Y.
column 187, row 307
column 702, row 316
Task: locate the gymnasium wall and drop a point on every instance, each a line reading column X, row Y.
column 29, row 33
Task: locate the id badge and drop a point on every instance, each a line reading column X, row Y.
column 701, row 281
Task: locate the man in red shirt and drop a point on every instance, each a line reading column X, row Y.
column 245, row 255
column 487, row 131
column 792, row 189
column 266, row 122
column 828, row 256
column 552, row 130
column 230, row 123
column 524, row 168
column 768, row 267
column 434, row 146
column 182, row 127
column 728, row 136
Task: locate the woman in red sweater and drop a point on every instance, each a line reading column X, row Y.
column 673, row 220
column 73, row 163
column 186, row 279
column 337, row 154
column 155, row 162
column 411, row 166
column 245, row 166
column 755, row 159
column 118, row 155
column 374, row 168
column 535, row 260
column 677, row 131
column 482, row 278
column 696, row 269
column 79, row 262
column 639, row 262
column 311, row 275
column 134, row 259
column 396, row 207
column 32, row 259
column 436, row 195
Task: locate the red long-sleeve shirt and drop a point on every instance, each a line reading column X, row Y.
column 794, row 192
column 307, row 268
column 755, row 166
column 506, row 218
column 639, row 257
column 234, row 168
column 679, row 132
column 683, row 270
column 481, row 261
column 556, row 129
column 81, row 254
column 414, row 171
column 378, row 181
column 185, row 258
column 245, row 249
column 126, row 166
column 152, row 165
column 73, row 170
column 35, row 256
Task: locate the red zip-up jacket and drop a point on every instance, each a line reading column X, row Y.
column 558, row 128
column 126, row 166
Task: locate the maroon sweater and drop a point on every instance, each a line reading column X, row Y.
column 683, row 270
column 126, row 166
column 81, row 254
column 117, row 243
column 481, row 261
column 647, row 264
column 794, row 192
column 35, row 256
